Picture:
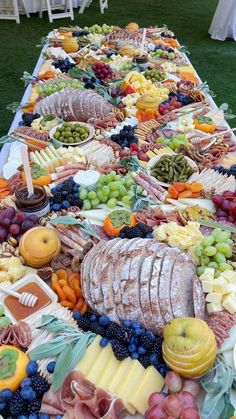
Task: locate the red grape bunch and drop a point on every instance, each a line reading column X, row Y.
column 14, row 223
column 102, row 70
column 225, row 204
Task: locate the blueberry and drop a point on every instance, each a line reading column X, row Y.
column 93, row 317
column 65, row 204
column 103, row 342
column 85, row 79
column 139, row 331
column 76, row 315
column 28, row 393
column 22, row 417
column 153, row 359
column 43, row 416
column 32, row 368
column 33, row 416
column 58, row 417
column 136, row 325
column 113, row 137
column 104, row 320
column 5, row 395
column 151, row 334
column 134, row 355
column 125, row 143
column 75, row 195
column 64, row 193
column 134, row 140
column 127, row 323
column 149, row 236
column 75, row 188
column 141, row 350
column 51, row 366
column 25, row 382
column 132, row 348
column 3, row 405
column 56, row 207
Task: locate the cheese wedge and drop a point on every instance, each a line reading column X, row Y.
column 151, row 382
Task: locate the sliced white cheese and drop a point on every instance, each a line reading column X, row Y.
column 203, row 203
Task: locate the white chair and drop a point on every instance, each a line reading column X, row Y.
column 67, row 7
column 86, row 3
column 11, row 12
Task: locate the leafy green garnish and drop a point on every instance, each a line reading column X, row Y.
column 140, row 201
column 27, row 78
column 132, row 163
column 204, row 120
column 68, row 345
column 217, row 383
column 228, row 114
column 215, row 224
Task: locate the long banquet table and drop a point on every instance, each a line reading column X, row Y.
column 224, row 21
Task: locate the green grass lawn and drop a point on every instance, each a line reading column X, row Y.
column 215, row 61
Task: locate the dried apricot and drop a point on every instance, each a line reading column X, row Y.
column 67, row 304
column 70, row 294
column 60, row 293
column 62, row 274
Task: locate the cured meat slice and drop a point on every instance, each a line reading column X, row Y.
column 181, row 293
column 198, row 298
column 165, row 277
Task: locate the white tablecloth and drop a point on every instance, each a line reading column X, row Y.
column 33, row 5
column 224, row 21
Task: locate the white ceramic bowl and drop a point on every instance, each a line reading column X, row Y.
column 155, row 159
column 61, row 144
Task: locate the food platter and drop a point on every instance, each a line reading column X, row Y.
column 128, row 251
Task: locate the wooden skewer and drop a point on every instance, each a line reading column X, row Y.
column 191, row 105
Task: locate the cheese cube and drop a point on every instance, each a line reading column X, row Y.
column 208, row 274
column 214, row 297
column 229, row 303
column 218, row 285
column 213, row 308
column 151, row 382
column 230, row 276
column 207, row 286
column 230, row 288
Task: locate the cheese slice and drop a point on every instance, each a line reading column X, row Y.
column 131, row 381
column 213, row 308
column 207, row 286
column 100, row 364
column 90, row 356
column 150, row 382
column 214, row 297
column 229, row 302
column 120, row 374
column 230, row 287
column 109, row 372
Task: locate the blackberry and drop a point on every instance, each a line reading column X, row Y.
column 39, row 384
column 17, row 405
column 70, row 198
column 97, row 328
column 34, row 406
column 130, row 233
column 144, row 360
column 84, row 323
column 78, row 203
column 146, row 341
column 119, row 349
column 57, row 198
column 117, row 332
column 157, row 348
column 144, row 228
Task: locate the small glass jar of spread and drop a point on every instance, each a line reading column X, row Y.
column 37, row 204
column 141, row 60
